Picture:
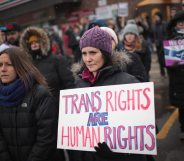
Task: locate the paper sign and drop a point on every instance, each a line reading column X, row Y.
column 174, row 52
column 123, row 9
column 121, row 115
column 103, row 12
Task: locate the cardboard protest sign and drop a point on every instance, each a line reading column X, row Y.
column 121, row 115
column 174, row 52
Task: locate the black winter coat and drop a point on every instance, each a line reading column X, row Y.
column 136, row 67
column 29, row 132
column 176, row 79
column 54, row 68
column 56, row 71
column 110, row 75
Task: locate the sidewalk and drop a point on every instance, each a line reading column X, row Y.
column 155, row 73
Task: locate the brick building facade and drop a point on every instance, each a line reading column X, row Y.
column 57, row 11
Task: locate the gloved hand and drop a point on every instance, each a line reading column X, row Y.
column 104, row 151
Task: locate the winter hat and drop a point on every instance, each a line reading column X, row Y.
column 33, row 38
column 111, row 33
column 130, row 28
column 12, row 26
column 97, row 38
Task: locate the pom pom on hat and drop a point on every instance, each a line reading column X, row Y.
column 131, row 21
column 97, row 38
column 111, row 33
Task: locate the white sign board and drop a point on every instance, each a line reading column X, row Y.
column 174, row 52
column 103, row 12
column 111, row 11
column 121, row 115
column 102, row 2
column 123, row 9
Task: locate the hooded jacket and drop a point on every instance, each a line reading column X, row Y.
column 171, row 25
column 109, row 75
column 54, row 68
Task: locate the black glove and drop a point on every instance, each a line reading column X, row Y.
column 104, row 151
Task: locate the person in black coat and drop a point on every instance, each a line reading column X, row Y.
column 159, row 34
column 176, row 72
column 99, row 67
column 55, row 68
column 28, row 112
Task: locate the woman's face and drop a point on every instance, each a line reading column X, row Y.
column 7, row 71
column 35, row 45
column 93, row 59
column 180, row 25
column 130, row 37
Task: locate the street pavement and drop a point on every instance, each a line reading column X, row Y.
column 169, row 146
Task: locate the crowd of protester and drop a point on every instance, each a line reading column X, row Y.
column 35, row 66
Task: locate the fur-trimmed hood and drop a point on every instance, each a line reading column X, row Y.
column 120, row 60
column 44, row 39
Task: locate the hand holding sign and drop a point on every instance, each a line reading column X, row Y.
column 104, row 151
column 121, row 115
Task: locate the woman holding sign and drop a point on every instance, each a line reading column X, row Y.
column 176, row 72
column 28, row 114
column 100, row 67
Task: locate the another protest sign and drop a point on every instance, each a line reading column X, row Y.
column 174, row 52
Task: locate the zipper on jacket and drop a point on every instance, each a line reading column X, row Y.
column 16, row 136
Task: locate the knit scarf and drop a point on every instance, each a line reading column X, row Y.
column 87, row 75
column 12, row 94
